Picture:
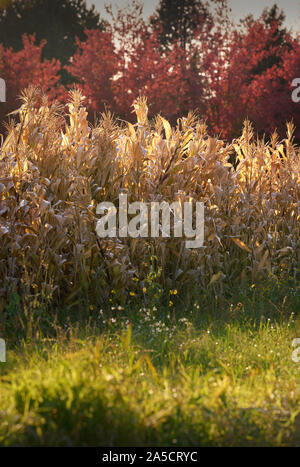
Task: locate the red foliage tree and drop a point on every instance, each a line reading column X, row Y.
column 24, row 68
column 255, row 81
column 166, row 78
column 227, row 73
column 114, row 67
column 94, row 65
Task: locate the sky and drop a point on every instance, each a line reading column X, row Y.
column 240, row 8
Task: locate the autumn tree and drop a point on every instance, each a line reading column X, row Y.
column 94, row 65
column 274, row 19
column 128, row 29
column 114, row 67
column 24, row 68
column 264, row 97
column 160, row 77
column 58, row 22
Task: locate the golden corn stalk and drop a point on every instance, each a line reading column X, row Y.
column 55, row 168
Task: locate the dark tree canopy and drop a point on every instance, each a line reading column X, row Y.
column 273, row 18
column 178, row 20
column 57, row 21
column 272, row 15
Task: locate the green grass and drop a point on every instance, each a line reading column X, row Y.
column 157, row 378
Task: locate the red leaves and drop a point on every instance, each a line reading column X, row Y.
column 256, row 82
column 113, row 68
column 161, row 77
column 228, row 74
column 95, row 65
column 24, row 68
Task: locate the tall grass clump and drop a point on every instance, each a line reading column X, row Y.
column 55, row 168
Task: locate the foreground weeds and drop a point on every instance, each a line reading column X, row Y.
column 149, row 377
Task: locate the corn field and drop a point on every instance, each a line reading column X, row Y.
column 55, row 167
